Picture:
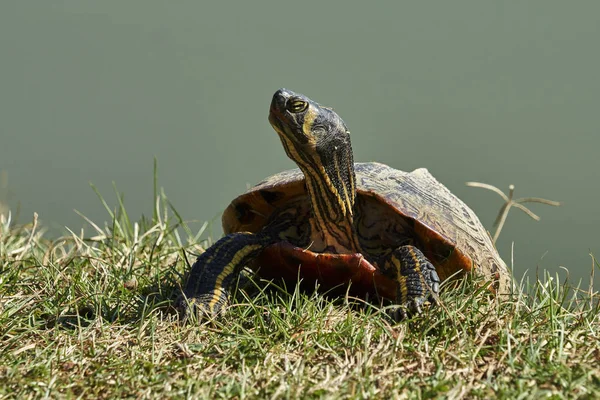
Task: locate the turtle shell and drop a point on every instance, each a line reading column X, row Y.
column 446, row 229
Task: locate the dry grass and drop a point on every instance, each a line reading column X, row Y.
column 93, row 317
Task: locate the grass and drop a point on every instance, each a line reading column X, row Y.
column 93, row 317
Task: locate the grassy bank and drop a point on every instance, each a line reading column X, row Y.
column 91, row 315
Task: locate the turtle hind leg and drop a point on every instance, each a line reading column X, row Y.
column 417, row 278
column 207, row 287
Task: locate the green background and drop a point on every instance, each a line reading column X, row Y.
column 495, row 91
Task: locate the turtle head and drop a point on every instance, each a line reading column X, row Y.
column 317, row 140
column 306, row 123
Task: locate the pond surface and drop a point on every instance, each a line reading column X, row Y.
column 498, row 92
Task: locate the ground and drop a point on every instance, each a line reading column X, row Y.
column 91, row 315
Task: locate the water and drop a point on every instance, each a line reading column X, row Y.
column 499, row 92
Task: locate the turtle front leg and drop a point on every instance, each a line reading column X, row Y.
column 207, row 287
column 417, row 278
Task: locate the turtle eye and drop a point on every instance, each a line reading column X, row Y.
column 296, row 106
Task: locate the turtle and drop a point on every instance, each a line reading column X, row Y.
column 363, row 227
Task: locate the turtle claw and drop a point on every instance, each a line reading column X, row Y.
column 410, row 308
column 194, row 309
column 398, row 313
column 415, row 305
